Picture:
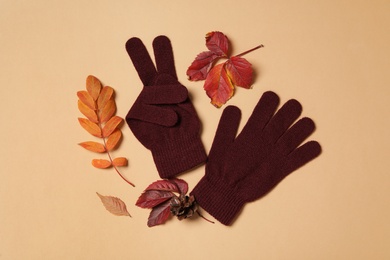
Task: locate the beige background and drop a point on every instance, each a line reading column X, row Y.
column 333, row 56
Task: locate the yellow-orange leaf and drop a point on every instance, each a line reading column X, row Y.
column 91, row 127
column 86, row 98
column 111, row 125
column 108, row 111
column 114, row 205
column 93, row 146
column 93, row 87
column 120, row 161
column 101, row 163
column 113, row 139
column 104, row 96
column 88, row 112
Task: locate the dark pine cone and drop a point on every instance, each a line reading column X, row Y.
column 183, row 206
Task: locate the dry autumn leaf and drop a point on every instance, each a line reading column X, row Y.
column 98, row 105
column 111, row 125
column 114, row 205
column 91, row 127
column 113, row 139
column 105, row 95
column 93, row 146
column 101, row 163
column 88, row 112
column 86, row 98
column 120, row 161
column 107, row 111
column 221, row 79
column 93, row 87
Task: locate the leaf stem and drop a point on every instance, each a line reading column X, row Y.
column 200, row 215
column 116, row 169
column 109, row 155
column 248, row 51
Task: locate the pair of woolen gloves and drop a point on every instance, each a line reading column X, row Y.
column 239, row 168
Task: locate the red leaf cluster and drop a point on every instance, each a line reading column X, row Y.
column 222, row 78
column 157, row 196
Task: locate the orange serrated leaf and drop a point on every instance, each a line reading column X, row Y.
column 114, row 205
column 87, row 111
column 91, row 127
column 120, row 161
column 86, row 98
column 93, row 146
column 111, row 125
column 105, row 95
column 108, row 111
column 93, row 87
column 240, row 71
column 218, row 85
column 113, row 139
column 101, row 163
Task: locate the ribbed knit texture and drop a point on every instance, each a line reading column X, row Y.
column 245, row 168
column 163, row 118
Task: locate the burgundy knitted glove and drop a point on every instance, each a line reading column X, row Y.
column 163, row 118
column 244, row 168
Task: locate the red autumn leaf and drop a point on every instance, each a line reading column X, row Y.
column 218, row 43
column 240, row 71
column 164, row 185
column 159, row 214
column 181, row 184
column 201, row 66
column 218, row 85
column 152, row 198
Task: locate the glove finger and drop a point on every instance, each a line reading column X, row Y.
column 163, row 54
column 282, row 120
column 295, row 135
column 153, row 114
column 301, row 156
column 261, row 114
column 141, row 60
column 165, row 94
column 226, row 131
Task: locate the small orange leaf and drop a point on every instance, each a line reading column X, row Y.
column 90, row 126
column 101, row 163
column 86, row 98
column 104, row 96
column 111, row 125
column 93, row 146
column 88, row 112
column 114, row 205
column 108, row 111
column 120, row 161
column 93, row 87
column 113, row 139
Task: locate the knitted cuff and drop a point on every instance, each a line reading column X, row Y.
column 218, row 199
column 173, row 158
